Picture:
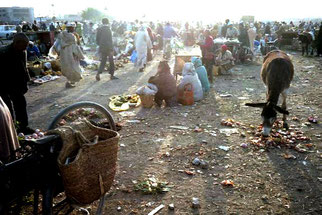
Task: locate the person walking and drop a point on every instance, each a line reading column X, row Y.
column 105, row 42
column 142, row 44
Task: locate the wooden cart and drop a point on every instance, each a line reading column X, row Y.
column 180, row 60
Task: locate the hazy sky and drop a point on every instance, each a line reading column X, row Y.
column 207, row 10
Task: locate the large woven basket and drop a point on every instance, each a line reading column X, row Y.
column 147, row 101
column 90, row 175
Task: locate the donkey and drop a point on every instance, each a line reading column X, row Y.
column 306, row 40
column 276, row 73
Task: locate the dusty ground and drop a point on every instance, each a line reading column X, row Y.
column 264, row 181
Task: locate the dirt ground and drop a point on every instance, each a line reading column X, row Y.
column 265, row 182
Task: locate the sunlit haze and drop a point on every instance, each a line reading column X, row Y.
column 205, row 10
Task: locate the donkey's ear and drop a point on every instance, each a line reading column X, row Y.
column 281, row 110
column 260, row 105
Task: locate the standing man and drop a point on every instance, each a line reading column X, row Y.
column 14, row 78
column 105, row 43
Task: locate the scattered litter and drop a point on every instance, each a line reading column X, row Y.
column 225, row 95
column 195, row 202
column 308, row 67
column 228, row 131
column 178, row 127
column 118, row 208
column 244, row 145
column 242, row 98
column 227, row 183
column 171, row 206
column 225, row 148
column 196, row 161
column 197, row 129
column 156, row 210
column 122, row 145
column 204, row 164
column 189, row 172
column 294, row 118
column 127, row 113
column 152, row 185
column 289, row 156
column 312, row 119
column 45, row 79
column 133, row 121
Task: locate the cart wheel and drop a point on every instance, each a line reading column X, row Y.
column 96, row 113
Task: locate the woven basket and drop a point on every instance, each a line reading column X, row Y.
column 90, row 175
column 147, row 100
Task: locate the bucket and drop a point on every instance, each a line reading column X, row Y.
column 147, row 101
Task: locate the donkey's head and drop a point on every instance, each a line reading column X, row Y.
column 268, row 115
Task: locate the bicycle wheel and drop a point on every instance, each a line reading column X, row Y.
column 95, row 113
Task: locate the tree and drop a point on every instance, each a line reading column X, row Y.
column 92, row 14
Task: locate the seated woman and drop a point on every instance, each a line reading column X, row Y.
column 8, row 138
column 166, row 83
column 202, row 74
column 189, row 76
column 33, row 52
column 225, row 59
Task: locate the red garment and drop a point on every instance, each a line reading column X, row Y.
column 209, row 42
column 150, row 34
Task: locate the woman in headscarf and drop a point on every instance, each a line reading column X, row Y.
column 166, row 84
column 189, row 76
column 202, row 74
column 252, row 35
column 142, row 43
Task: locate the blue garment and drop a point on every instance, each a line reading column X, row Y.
column 202, row 74
column 34, row 51
column 169, row 32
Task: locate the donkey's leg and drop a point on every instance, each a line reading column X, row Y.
column 307, row 49
column 284, row 95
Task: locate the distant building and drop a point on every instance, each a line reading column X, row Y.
column 13, row 15
column 72, row 18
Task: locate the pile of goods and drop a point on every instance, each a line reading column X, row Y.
column 37, row 135
column 147, row 94
column 88, row 113
column 43, row 71
column 292, row 138
column 124, row 102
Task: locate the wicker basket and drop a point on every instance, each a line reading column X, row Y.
column 90, row 175
column 147, row 100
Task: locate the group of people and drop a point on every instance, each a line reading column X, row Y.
column 194, row 79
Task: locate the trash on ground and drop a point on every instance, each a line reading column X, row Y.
column 228, row 131
column 195, row 202
column 225, row 148
column 189, row 172
column 152, row 185
column 179, row 127
column 171, row 206
column 156, row 210
column 289, row 156
column 312, row 119
column 227, row 183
